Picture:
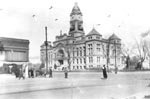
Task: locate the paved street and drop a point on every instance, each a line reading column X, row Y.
column 79, row 85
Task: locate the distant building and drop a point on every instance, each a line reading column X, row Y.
column 13, row 51
column 79, row 51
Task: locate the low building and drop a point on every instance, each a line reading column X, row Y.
column 13, row 51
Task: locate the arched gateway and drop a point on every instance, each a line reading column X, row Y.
column 61, row 58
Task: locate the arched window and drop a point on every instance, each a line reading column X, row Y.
column 77, row 52
column 80, row 51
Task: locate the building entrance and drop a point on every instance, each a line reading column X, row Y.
column 61, row 62
column 60, row 57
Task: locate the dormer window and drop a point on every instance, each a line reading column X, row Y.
column 118, row 41
column 90, row 37
column 97, row 37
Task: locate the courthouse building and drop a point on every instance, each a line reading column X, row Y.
column 13, row 51
column 79, row 50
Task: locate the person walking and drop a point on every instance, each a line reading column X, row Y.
column 21, row 74
column 16, row 71
column 50, row 73
column 32, row 73
column 66, row 72
column 116, row 70
column 104, row 72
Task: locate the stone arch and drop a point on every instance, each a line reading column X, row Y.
column 61, row 56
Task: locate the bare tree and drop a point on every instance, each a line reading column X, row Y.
column 145, row 38
column 147, row 48
column 141, row 49
column 69, row 58
column 126, row 52
column 106, row 49
column 69, row 50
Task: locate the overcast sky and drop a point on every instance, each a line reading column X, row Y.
column 26, row 19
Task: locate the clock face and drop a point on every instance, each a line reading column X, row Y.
column 72, row 17
column 76, row 17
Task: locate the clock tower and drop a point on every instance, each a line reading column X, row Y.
column 76, row 22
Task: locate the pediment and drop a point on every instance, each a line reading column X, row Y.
column 60, row 45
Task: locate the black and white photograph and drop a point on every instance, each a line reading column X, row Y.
column 74, row 49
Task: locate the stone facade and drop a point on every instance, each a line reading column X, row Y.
column 78, row 51
column 14, row 51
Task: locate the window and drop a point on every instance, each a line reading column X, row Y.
column 84, row 51
column 77, row 52
column 90, row 37
column 80, row 51
column 98, row 59
column 81, row 61
column 73, row 52
column 90, row 66
column 73, row 67
column 98, row 48
column 84, row 60
column 80, row 67
column 97, row 37
column 90, row 59
column 90, row 48
column 77, row 61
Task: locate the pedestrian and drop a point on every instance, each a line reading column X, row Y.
column 50, row 73
column 104, row 72
column 21, row 74
column 32, row 73
column 29, row 73
column 116, row 70
column 17, row 72
column 66, row 72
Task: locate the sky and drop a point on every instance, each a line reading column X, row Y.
column 26, row 19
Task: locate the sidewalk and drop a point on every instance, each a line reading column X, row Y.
column 141, row 95
column 119, row 86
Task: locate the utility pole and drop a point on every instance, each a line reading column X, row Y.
column 46, row 44
column 107, row 54
column 115, row 58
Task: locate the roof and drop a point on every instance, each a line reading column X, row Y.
column 13, row 43
column 114, row 36
column 49, row 43
column 13, row 39
column 93, row 32
column 75, row 10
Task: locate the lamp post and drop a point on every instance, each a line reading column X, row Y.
column 46, row 44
